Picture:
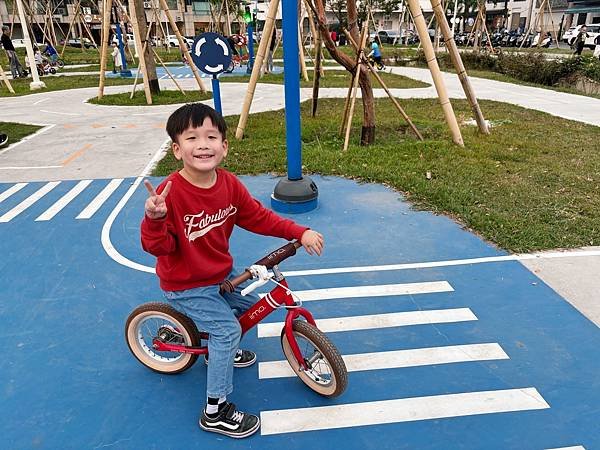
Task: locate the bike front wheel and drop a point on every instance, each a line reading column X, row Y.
column 326, row 372
column 60, row 63
column 159, row 320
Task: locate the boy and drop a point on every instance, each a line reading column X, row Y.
column 187, row 224
column 376, row 53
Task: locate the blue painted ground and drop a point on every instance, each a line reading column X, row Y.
column 184, row 71
column 69, row 381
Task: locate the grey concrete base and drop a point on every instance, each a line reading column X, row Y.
column 577, row 279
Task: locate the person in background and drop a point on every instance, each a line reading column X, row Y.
column 597, row 48
column 15, row 66
column 116, row 56
column 271, row 50
column 51, row 52
column 580, row 40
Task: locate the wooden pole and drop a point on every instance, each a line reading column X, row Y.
column 105, row 27
column 459, row 66
column 228, row 28
column 182, row 45
column 301, row 54
column 363, row 37
column 5, row 79
column 434, row 68
column 541, row 22
column 260, row 56
column 385, row 88
column 75, row 9
column 552, row 22
column 167, row 70
column 137, row 39
column 316, row 74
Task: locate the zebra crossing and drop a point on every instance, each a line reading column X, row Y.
column 395, row 410
column 27, row 195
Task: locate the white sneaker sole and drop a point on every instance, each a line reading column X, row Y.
column 249, row 432
column 238, row 365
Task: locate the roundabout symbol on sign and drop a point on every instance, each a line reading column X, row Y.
column 211, row 53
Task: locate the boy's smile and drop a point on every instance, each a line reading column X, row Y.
column 201, row 149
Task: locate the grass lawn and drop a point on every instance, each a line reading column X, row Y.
column 166, row 97
column 21, row 86
column 16, row 131
column 533, row 184
column 336, row 78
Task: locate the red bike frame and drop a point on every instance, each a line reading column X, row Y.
column 280, row 296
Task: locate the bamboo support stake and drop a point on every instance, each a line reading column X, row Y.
column 105, row 28
column 182, row 45
column 363, row 37
column 552, row 22
column 301, row 55
column 260, row 56
column 436, row 74
column 316, row 74
column 5, row 79
column 459, row 66
column 385, row 88
column 167, row 70
column 73, row 21
column 137, row 38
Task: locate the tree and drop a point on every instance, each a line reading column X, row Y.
column 367, row 136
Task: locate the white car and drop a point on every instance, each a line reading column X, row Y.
column 173, row 42
column 130, row 39
column 593, row 30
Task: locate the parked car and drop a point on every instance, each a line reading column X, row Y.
column 130, row 39
column 20, row 43
column 77, row 42
column 593, row 30
column 173, row 42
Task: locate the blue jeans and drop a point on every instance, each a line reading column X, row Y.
column 217, row 315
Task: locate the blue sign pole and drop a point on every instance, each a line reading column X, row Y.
column 124, row 71
column 295, row 194
column 216, row 94
column 250, row 29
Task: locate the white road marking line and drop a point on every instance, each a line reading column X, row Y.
column 29, row 167
column 64, row 201
column 400, row 410
column 374, row 291
column 575, row 447
column 99, row 200
column 396, row 359
column 447, row 263
column 11, row 190
column 41, row 101
column 378, row 321
column 28, row 201
column 61, row 113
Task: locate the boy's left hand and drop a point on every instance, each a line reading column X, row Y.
column 312, row 242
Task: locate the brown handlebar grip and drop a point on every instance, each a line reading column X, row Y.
column 279, row 255
column 230, row 285
column 268, row 261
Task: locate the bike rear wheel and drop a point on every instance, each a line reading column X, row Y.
column 152, row 320
column 60, row 63
column 326, row 373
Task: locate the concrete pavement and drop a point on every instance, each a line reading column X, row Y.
column 83, row 141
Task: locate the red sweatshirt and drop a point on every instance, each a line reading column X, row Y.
column 192, row 241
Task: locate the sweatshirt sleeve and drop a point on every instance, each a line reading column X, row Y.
column 157, row 239
column 254, row 217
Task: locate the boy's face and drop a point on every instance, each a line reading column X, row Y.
column 201, row 149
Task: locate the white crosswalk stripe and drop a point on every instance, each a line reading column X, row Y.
column 64, row 201
column 11, row 190
column 99, row 200
column 28, row 202
column 398, row 358
column 61, row 203
column 400, row 410
column 378, row 321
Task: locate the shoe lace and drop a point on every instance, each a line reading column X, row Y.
column 237, row 416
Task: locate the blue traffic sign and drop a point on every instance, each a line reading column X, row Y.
column 211, row 53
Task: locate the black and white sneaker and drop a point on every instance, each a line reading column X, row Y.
column 231, row 422
column 243, row 358
column 3, row 139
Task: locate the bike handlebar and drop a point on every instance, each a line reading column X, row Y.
column 268, row 261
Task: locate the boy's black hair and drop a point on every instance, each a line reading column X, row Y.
column 193, row 115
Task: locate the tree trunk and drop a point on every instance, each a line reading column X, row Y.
column 364, row 81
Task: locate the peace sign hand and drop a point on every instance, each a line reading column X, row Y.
column 156, row 206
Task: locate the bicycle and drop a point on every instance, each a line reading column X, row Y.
column 168, row 342
column 378, row 64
